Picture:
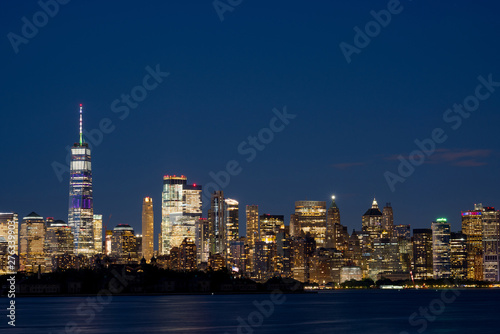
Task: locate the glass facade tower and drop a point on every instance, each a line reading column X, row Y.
column 81, row 208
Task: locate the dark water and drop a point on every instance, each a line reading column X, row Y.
column 472, row 311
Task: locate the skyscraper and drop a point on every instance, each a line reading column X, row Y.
column 472, row 227
column 491, row 240
column 271, row 223
column 231, row 214
column 147, row 228
column 59, row 241
column 458, row 256
column 217, row 225
column 441, row 248
column 124, row 244
column 97, row 222
column 253, row 233
column 9, row 221
column 422, row 253
column 311, row 217
column 253, row 230
column 388, row 219
column 372, row 221
column 181, row 208
column 81, row 210
column 32, row 243
column 336, row 234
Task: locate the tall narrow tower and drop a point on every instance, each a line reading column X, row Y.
column 147, row 228
column 81, row 209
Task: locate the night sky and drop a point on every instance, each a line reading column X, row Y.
column 352, row 120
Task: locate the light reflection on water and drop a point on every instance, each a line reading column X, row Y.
column 474, row 311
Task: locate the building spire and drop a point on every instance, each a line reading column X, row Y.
column 374, row 204
column 333, row 205
column 81, row 125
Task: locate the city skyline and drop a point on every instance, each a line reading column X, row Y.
column 359, row 127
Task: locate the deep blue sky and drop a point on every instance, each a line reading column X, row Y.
column 225, row 79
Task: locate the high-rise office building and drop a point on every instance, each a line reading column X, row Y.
column 181, row 208
column 441, row 249
column 422, row 253
column 491, row 240
column 253, row 228
column 81, row 209
column 372, row 221
column 458, row 256
column 9, row 230
column 97, row 234
column 332, row 219
column 217, row 225
column 59, row 241
column 336, row 234
column 271, row 223
column 311, row 218
column 147, row 228
column 32, row 243
column 232, row 220
column 472, row 227
column 202, row 240
column 385, row 259
column 388, row 219
column 124, row 245
column 402, row 233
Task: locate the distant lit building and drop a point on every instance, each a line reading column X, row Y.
column 265, row 258
column 181, row 208
column 238, row 255
column 348, row 273
column 284, row 252
column 422, row 254
column 372, row 221
column 202, row 240
column 458, row 256
column 311, row 218
column 271, row 223
column 98, row 234
column 491, row 240
column 385, row 258
column 336, row 234
column 253, row 232
column 108, row 242
column 472, row 227
column 403, row 234
column 9, row 221
column 253, row 229
column 388, row 219
column 81, row 208
column 325, row 266
column 303, row 249
column 187, row 255
column 147, row 228
column 32, row 243
column 217, row 225
column 59, row 240
column 441, row 249
column 124, row 245
column 231, row 216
